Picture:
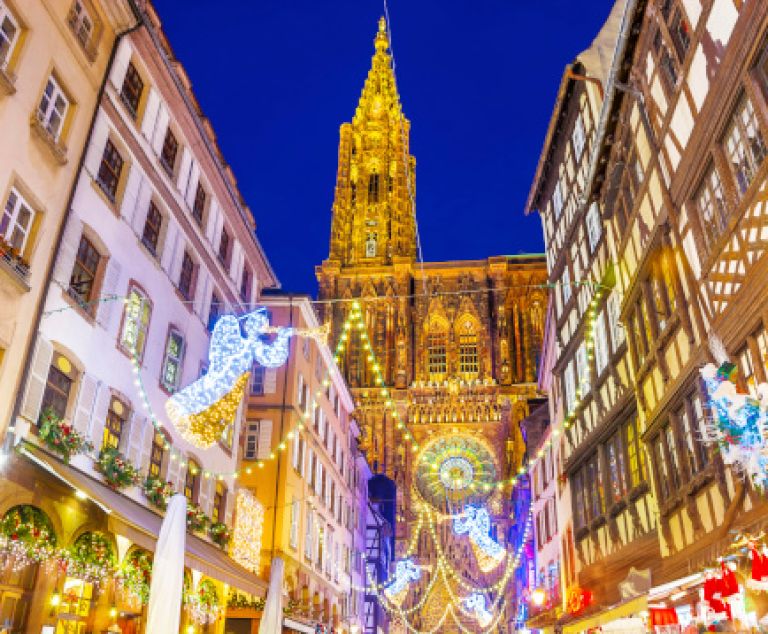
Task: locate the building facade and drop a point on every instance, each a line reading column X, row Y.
column 157, row 243
column 669, row 213
column 53, row 57
column 442, row 356
column 314, row 493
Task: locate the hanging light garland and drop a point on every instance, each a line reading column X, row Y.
column 355, row 322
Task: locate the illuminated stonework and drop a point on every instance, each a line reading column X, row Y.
column 456, row 344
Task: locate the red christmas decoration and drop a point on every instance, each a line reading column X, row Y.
column 759, row 578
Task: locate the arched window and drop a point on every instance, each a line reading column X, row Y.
column 469, row 363
column 62, row 377
column 218, row 511
column 157, row 454
column 192, row 481
column 115, row 424
column 437, row 357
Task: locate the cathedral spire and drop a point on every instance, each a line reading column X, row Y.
column 373, row 219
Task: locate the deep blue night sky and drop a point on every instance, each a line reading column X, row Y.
column 477, row 79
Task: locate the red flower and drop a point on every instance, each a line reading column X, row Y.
column 14, row 536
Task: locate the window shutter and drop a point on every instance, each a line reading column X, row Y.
column 192, row 181
column 265, row 439
column 130, row 206
column 295, row 450
column 213, row 214
column 146, row 433
column 96, row 147
column 38, row 377
column 107, row 309
column 135, row 440
column 206, row 486
column 169, row 247
column 161, row 127
column 65, row 260
column 99, row 417
column 201, row 291
column 175, row 474
column 270, row 380
column 150, row 114
column 237, row 263
column 186, row 163
column 86, row 400
column 120, row 64
column 144, row 195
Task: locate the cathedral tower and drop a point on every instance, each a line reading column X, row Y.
column 373, row 217
column 456, row 342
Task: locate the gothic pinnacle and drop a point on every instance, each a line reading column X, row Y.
column 382, row 39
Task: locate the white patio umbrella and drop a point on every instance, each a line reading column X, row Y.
column 272, row 617
column 164, row 612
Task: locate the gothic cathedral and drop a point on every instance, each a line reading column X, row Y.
column 457, row 342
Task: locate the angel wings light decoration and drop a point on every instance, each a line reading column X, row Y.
column 203, row 410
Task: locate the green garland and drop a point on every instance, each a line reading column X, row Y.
column 197, row 520
column 157, row 491
column 91, row 557
column 219, row 533
column 60, row 437
column 136, row 574
column 116, row 469
column 237, row 600
column 32, row 529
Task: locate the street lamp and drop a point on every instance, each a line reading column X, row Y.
column 538, row 597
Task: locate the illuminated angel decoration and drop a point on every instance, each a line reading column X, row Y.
column 476, row 522
column 203, row 410
column 406, row 571
column 475, row 604
column 739, row 424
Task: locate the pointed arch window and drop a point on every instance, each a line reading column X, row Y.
column 437, row 358
column 469, row 362
column 373, row 188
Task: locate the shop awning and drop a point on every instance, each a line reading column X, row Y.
column 142, row 525
column 298, row 626
column 619, row 611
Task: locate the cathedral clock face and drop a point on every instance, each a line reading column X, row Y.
column 454, row 470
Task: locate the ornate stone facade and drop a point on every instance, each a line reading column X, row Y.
column 457, row 342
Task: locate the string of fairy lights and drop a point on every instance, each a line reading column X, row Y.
column 444, row 570
column 246, row 306
column 355, row 322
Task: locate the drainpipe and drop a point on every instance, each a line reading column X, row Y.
column 582, row 77
column 10, row 436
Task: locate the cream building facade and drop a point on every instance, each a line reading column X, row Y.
column 157, row 244
column 53, row 58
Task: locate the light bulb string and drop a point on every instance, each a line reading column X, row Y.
column 249, row 306
column 496, row 607
column 513, row 562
